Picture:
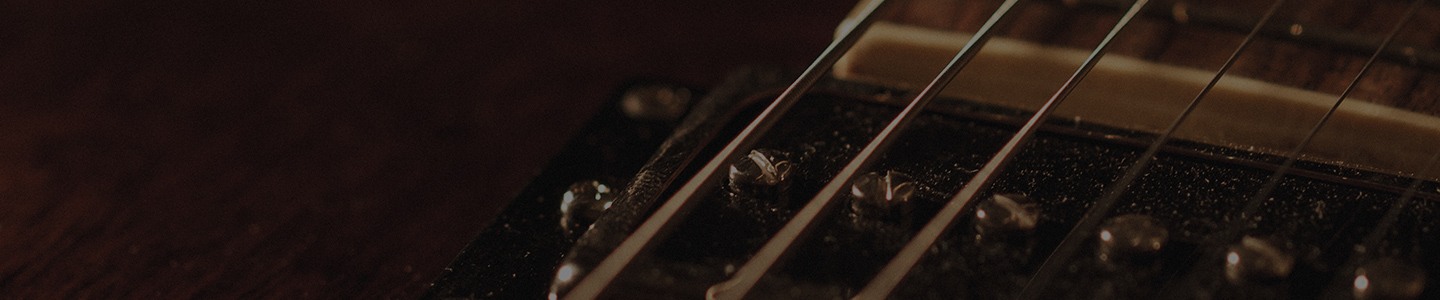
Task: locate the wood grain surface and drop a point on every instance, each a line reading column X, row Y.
column 212, row 149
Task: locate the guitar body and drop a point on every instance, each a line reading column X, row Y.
column 631, row 158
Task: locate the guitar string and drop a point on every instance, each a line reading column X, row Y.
column 802, row 223
column 595, row 282
column 1051, row 267
column 1080, row 232
column 1371, row 242
column 899, row 266
column 1271, row 184
column 761, row 124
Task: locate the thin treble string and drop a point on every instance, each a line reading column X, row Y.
column 1243, row 220
column 1392, row 215
column 1080, row 232
column 595, row 282
column 896, row 270
column 1071, row 244
column 799, row 226
column 1372, row 240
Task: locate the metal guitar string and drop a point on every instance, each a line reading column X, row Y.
column 1080, row 232
column 801, row 224
column 1243, row 219
column 1373, row 239
column 899, row 266
column 595, row 282
column 704, row 180
column 1059, row 258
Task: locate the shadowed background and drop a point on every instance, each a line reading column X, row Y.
column 183, row 149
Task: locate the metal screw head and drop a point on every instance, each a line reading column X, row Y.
column 1256, row 259
column 583, row 203
column 1388, row 278
column 655, row 102
column 761, row 169
column 1131, row 237
column 565, row 278
column 881, row 194
column 1006, row 213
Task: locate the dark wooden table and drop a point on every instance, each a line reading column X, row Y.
column 208, row 149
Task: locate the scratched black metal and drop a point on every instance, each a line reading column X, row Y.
column 515, row 256
column 1193, row 189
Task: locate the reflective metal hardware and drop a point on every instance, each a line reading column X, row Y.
column 875, row 194
column 583, row 203
column 565, row 276
column 1257, row 259
column 655, row 102
column 761, row 169
column 1006, row 213
column 1132, row 236
column 1388, row 279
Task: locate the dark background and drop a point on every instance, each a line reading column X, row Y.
column 334, row 149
